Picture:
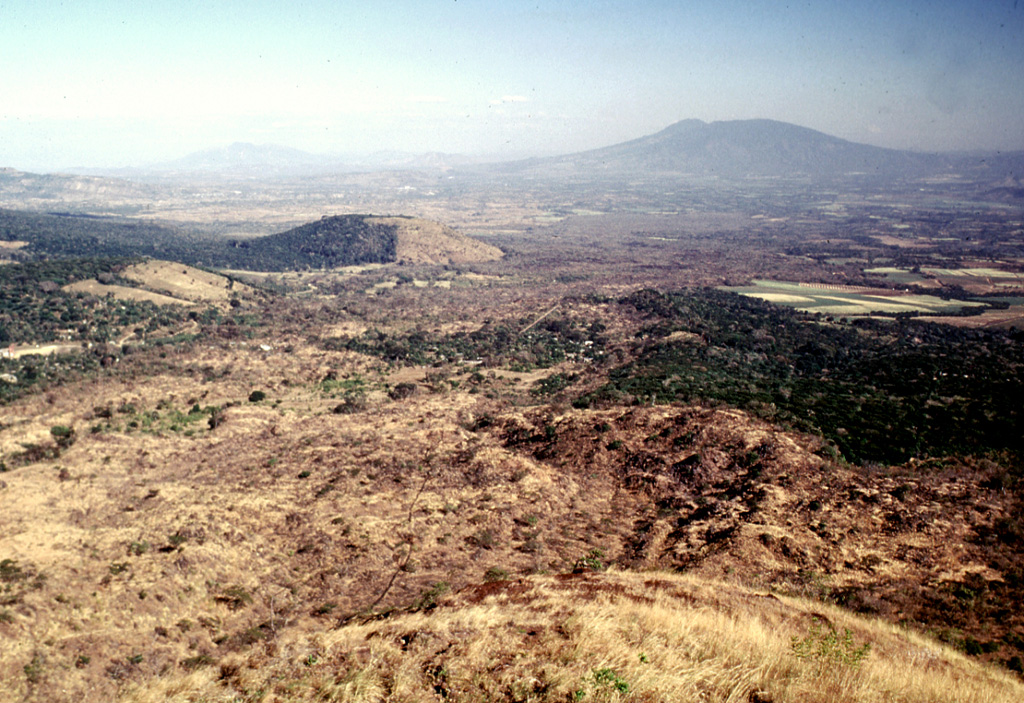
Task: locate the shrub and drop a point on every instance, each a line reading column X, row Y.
column 216, row 417
column 428, row 599
column 483, row 538
column 61, row 431
column 63, row 435
column 34, row 669
column 590, row 562
column 197, row 662
column 257, row 396
column 324, row 608
column 137, row 549
column 234, row 597
column 10, row 571
column 351, row 403
column 402, row 390
column 830, row 647
column 608, row 678
column 496, row 574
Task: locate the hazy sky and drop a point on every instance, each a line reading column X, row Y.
column 112, row 82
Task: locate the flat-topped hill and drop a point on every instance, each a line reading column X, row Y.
column 346, row 240
column 330, row 242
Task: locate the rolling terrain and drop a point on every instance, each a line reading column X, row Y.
column 208, row 518
column 365, row 458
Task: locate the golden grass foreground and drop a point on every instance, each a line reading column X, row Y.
column 611, row 636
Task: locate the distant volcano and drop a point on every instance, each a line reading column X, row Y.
column 759, row 149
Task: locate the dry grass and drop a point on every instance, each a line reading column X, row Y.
column 849, row 300
column 597, row 637
column 166, row 283
column 288, row 518
column 93, row 287
column 183, row 282
column 426, row 242
column 265, row 532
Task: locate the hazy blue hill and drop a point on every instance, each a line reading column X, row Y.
column 70, row 189
column 245, row 159
column 742, row 148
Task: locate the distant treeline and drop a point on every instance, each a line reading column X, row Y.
column 65, row 236
column 333, row 241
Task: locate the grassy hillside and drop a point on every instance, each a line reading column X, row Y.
column 420, row 241
column 609, row 636
column 250, row 515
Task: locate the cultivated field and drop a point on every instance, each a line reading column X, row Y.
column 846, row 300
column 976, row 280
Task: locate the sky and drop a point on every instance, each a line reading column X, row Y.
column 112, row 83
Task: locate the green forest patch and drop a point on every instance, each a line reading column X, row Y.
column 879, row 390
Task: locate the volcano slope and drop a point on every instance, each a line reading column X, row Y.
column 262, row 514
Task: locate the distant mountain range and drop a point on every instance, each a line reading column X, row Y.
column 691, row 148
column 246, row 160
column 730, row 149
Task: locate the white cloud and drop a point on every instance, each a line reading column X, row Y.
column 510, row 99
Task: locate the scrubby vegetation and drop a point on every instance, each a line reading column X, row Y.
column 880, row 391
column 33, row 308
column 328, row 243
column 52, row 236
column 519, row 345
